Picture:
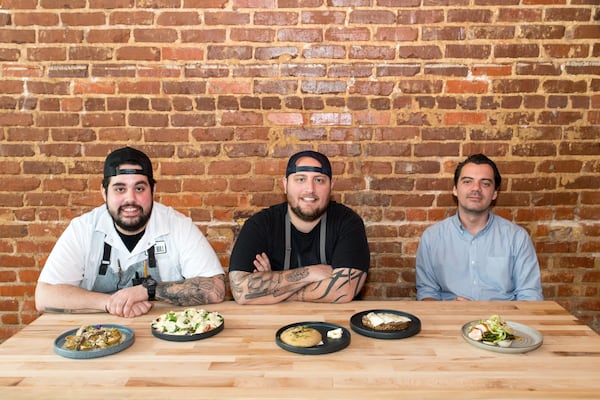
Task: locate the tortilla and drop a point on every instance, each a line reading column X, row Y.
column 301, row 336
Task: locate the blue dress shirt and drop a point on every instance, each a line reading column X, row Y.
column 498, row 263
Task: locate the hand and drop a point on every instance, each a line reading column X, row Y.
column 262, row 263
column 129, row 302
column 459, row 298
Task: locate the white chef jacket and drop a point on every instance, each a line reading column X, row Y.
column 181, row 250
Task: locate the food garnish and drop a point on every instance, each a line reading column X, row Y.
column 334, row 333
column 492, row 331
column 190, row 321
column 93, row 337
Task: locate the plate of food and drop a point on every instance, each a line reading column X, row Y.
column 313, row 337
column 93, row 341
column 496, row 334
column 385, row 324
column 188, row 324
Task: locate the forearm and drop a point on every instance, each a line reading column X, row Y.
column 192, row 291
column 267, row 287
column 68, row 297
column 342, row 287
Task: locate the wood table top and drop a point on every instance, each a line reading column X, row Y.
column 244, row 361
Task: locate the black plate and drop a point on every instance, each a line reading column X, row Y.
column 126, row 341
column 187, row 338
column 328, row 345
column 413, row 328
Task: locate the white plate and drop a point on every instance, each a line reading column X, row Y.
column 527, row 339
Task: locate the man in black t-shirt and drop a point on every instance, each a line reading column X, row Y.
column 306, row 249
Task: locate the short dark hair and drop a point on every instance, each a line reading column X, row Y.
column 479, row 159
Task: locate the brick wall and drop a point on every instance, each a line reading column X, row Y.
column 220, row 92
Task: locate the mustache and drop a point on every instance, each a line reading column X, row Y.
column 130, row 205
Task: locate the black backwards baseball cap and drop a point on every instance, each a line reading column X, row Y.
column 128, row 155
column 324, row 169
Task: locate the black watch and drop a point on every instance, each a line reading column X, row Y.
column 150, row 285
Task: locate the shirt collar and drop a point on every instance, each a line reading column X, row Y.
column 462, row 230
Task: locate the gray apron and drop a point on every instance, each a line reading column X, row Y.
column 109, row 281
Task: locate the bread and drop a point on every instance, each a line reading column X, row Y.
column 382, row 321
column 301, row 336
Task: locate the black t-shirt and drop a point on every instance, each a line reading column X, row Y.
column 345, row 246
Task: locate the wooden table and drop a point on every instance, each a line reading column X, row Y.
column 244, row 361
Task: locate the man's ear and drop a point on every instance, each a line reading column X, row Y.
column 103, row 191
column 284, row 183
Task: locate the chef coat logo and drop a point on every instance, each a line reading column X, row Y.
column 160, row 248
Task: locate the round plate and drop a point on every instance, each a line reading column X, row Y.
column 126, row 341
column 187, row 338
column 527, row 339
column 412, row 329
column 327, row 346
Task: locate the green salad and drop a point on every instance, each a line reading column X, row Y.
column 190, row 321
column 493, row 331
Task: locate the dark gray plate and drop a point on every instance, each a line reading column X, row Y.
column 126, row 341
column 328, row 345
column 413, row 328
column 187, row 338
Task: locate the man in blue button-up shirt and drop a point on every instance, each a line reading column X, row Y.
column 476, row 255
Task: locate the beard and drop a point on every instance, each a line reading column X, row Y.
column 130, row 224
column 308, row 217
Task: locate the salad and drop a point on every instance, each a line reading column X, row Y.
column 493, row 331
column 190, row 321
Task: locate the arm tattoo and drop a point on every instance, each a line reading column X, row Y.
column 193, row 291
column 276, row 283
column 341, row 278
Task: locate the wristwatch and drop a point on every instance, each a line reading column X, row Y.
column 150, row 285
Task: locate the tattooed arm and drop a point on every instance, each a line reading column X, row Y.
column 316, row 283
column 133, row 301
column 270, row 287
column 342, row 287
column 192, row 291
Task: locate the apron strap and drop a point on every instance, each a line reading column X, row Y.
column 151, row 258
column 322, row 238
column 288, row 240
column 105, row 259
